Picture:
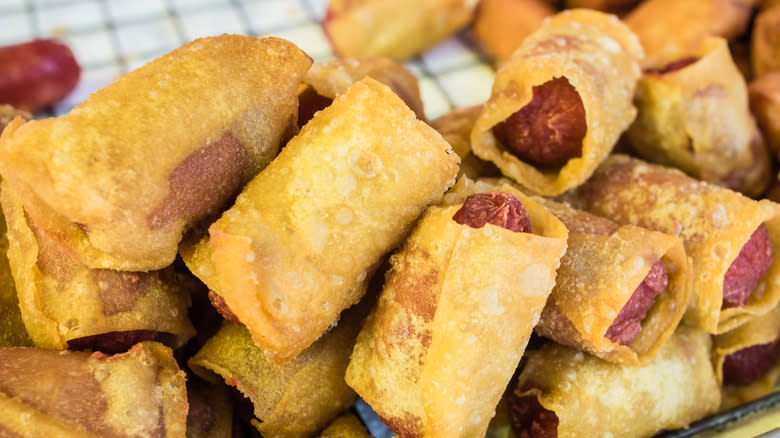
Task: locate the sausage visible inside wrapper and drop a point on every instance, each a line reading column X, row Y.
column 562, row 392
column 551, row 101
column 75, row 394
column 65, row 304
column 715, row 224
column 124, row 182
column 428, row 360
column 747, row 359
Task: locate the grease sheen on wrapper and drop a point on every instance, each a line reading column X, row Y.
column 126, row 172
column 599, row 57
column 455, row 314
column 592, row 397
column 601, row 270
column 304, row 236
column 714, row 222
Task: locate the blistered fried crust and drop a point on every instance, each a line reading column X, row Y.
column 765, row 42
column 291, row 400
column 303, row 237
column 8, row 113
column 603, row 266
column 599, row 57
column 124, row 178
column 697, row 119
column 764, row 95
column 72, row 394
column 62, row 300
column 760, row 330
column 670, row 29
column 397, row 29
column 592, row 397
column 714, row 223
column 332, row 78
column 500, row 26
column 428, row 359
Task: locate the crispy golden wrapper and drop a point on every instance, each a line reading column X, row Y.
column 345, row 426
column 304, row 236
column 429, row 359
column 761, row 330
column 592, row 397
column 455, row 127
column 590, row 49
column 12, row 330
column 603, row 266
column 765, row 42
column 714, row 223
column 500, row 26
column 329, row 79
column 8, row 113
column 619, row 7
column 292, row 400
column 61, row 300
column 670, row 29
column 138, row 394
column 398, row 29
column 764, row 95
column 697, row 119
column 128, row 170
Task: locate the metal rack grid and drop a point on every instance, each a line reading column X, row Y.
column 112, row 37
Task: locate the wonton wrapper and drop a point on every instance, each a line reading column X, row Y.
column 345, row 426
column 761, row 330
column 602, row 267
column 128, row 170
column 764, row 94
column 141, row 393
column 291, row 400
column 61, row 300
column 455, row 127
column 592, row 397
column 671, row 29
column 397, row 29
column 714, row 223
column 765, row 42
column 590, row 49
column 455, row 314
column 303, row 238
column 697, row 119
column 329, row 79
column 500, row 26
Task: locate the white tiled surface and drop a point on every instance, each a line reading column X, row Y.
column 111, row 37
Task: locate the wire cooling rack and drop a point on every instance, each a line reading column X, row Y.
column 112, row 37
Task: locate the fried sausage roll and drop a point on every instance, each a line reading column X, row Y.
column 562, row 392
column 65, row 304
column 765, row 42
column 732, row 239
column 551, row 117
column 428, row 359
column 455, row 126
column 292, row 400
column 747, row 359
column 500, row 26
column 325, row 80
column 694, row 115
column 397, row 29
column 304, row 236
column 620, row 292
column 125, row 173
column 764, row 95
column 670, row 29
column 141, row 393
